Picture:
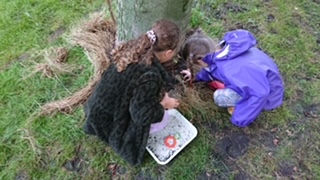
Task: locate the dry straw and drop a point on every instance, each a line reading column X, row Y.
column 53, row 64
column 97, row 37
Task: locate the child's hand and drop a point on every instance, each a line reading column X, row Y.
column 169, row 102
column 186, row 75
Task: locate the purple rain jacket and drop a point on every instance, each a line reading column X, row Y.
column 247, row 70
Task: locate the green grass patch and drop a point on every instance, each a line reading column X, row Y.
column 26, row 26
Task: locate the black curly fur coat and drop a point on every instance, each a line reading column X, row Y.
column 124, row 105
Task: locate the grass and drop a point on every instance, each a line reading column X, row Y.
column 31, row 25
column 56, row 148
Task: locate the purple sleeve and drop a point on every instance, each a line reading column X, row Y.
column 254, row 88
column 203, row 75
column 160, row 125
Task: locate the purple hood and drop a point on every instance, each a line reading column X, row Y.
column 236, row 43
column 248, row 71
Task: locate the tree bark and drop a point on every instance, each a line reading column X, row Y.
column 137, row 16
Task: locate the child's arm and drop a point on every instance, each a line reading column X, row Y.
column 145, row 107
column 203, row 75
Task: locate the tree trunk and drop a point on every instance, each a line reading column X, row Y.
column 137, row 16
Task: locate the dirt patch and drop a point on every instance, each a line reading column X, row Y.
column 265, row 139
column 270, row 17
column 305, row 111
column 222, row 12
column 56, row 34
column 23, row 56
column 318, row 41
column 312, row 111
column 250, row 26
column 286, row 169
column 234, row 145
column 301, row 21
column 234, row 7
column 242, row 176
column 145, row 175
column 212, row 127
column 22, row 175
column 75, row 165
column 297, row 108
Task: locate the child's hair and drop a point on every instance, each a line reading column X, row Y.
column 197, row 45
column 141, row 49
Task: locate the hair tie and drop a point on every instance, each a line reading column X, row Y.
column 151, row 36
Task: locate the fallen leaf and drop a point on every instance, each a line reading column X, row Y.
column 276, row 142
column 274, row 130
column 289, row 133
column 112, row 167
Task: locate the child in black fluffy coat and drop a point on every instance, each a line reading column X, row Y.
column 132, row 94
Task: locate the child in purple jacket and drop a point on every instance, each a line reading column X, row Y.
column 251, row 78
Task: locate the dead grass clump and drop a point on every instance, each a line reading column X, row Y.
column 191, row 98
column 97, row 38
column 195, row 100
column 66, row 105
column 54, row 62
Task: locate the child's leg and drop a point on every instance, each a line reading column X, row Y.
column 226, row 97
column 160, row 125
